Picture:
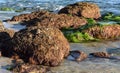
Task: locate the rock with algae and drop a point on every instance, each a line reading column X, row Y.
column 104, row 32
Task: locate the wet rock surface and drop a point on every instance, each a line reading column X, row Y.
column 82, row 9
column 46, row 46
column 104, row 32
column 77, row 55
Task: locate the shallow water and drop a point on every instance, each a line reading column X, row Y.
column 90, row 65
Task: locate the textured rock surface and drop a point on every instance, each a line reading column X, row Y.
column 104, row 32
column 46, row 46
column 44, row 18
column 101, row 54
column 28, row 68
column 26, row 17
column 82, row 9
column 59, row 21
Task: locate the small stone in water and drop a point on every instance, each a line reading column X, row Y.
column 101, row 54
column 77, row 55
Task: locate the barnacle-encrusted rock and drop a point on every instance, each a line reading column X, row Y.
column 58, row 21
column 101, row 54
column 46, row 46
column 77, row 55
column 104, row 32
column 29, row 68
column 84, row 9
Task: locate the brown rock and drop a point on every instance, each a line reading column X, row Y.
column 58, row 21
column 46, row 46
column 101, row 54
column 44, row 18
column 27, row 17
column 78, row 55
column 104, row 32
column 28, row 68
column 82, row 9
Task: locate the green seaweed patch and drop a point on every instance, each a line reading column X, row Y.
column 110, row 17
column 6, row 9
column 77, row 36
column 91, row 21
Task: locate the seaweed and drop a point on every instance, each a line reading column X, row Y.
column 91, row 21
column 6, row 9
column 110, row 17
column 75, row 36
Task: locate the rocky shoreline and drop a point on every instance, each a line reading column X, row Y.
column 45, row 40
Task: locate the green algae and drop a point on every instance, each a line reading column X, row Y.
column 91, row 21
column 6, row 9
column 110, row 17
column 78, row 35
column 75, row 36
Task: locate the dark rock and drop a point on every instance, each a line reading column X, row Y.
column 58, row 21
column 28, row 68
column 46, row 46
column 104, row 32
column 101, row 54
column 82, row 9
column 78, row 55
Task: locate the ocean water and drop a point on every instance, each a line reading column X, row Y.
column 90, row 65
column 54, row 5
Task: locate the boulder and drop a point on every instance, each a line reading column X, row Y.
column 58, row 21
column 104, row 32
column 46, row 46
column 82, row 9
